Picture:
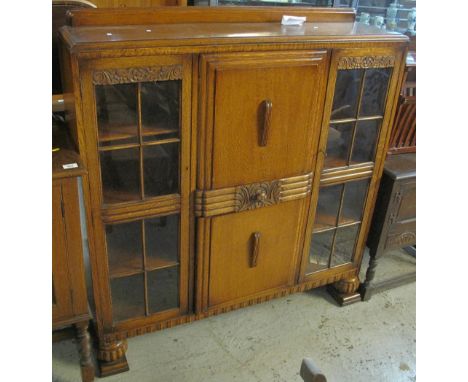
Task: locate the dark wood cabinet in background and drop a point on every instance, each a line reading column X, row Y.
column 231, row 159
column 394, row 221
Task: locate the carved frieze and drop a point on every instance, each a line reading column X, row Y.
column 365, row 62
column 142, row 74
column 402, row 239
column 251, row 196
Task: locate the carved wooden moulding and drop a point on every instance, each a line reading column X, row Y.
column 251, row 196
column 401, row 239
column 142, row 74
column 111, row 352
column 365, row 62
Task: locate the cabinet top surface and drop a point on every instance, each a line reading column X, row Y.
column 201, row 33
column 401, row 166
column 66, row 157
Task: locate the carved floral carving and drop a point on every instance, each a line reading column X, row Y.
column 257, row 195
column 251, row 196
column 365, row 62
column 130, row 75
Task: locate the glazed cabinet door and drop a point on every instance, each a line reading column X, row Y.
column 138, row 156
column 362, row 90
column 260, row 123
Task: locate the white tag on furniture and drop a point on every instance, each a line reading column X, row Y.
column 293, row 20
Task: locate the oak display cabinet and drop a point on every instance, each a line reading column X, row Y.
column 231, row 160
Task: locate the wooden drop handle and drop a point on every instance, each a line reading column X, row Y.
column 255, row 249
column 265, row 128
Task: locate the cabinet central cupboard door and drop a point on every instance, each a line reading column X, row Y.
column 253, row 251
column 264, row 111
column 262, row 115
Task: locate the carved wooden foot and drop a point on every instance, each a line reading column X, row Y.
column 345, row 291
column 365, row 289
column 84, row 345
column 111, row 356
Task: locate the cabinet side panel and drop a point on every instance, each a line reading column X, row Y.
column 75, row 248
column 61, row 297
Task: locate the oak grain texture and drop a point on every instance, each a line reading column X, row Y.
column 232, row 59
column 231, row 273
column 236, row 14
column 294, row 82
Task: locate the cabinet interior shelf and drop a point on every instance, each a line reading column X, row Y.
column 357, row 119
column 134, row 266
column 109, row 133
column 319, row 228
column 120, row 196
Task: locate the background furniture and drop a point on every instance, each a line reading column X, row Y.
column 69, row 293
column 59, row 12
column 69, row 300
column 137, row 3
column 394, row 221
column 231, row 160
column 297, row 3
column 403, row 138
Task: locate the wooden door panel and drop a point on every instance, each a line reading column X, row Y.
column 61, row 298
column 232, row 273
column 407, row 207
column 293, row 84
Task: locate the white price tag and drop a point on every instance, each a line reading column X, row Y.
column 70, row 165
column 293, row 20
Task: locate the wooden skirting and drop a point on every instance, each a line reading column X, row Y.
column 153, row 327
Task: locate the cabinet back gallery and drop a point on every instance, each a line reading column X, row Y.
column 231, row 159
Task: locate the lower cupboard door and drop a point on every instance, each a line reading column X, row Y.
column 254, row 251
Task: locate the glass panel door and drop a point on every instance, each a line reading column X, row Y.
column 144, row 266
column 139, row 139
column 337, row 222
column 356, row 117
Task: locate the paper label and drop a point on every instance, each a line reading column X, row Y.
column 70, row 165
column 293, row 20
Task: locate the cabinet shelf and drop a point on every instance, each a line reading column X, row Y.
column 127, row 266
column 153, row 264
column 119, row 196
column 324, row 228
column 133, row 267
column 110, row 133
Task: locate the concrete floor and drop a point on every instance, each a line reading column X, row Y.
column 366, row 341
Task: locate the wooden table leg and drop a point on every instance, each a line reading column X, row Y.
column 366, row 288
column 84, row 345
